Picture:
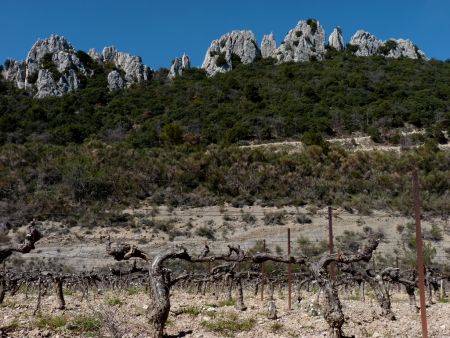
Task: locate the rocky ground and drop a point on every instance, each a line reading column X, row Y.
column 123, row 313
column 155, row 228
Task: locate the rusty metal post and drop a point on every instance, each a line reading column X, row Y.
column 289, row 269
column 262, row 272
column 332, row 268
column 416, row 194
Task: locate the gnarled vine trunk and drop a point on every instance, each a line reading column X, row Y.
column 332, row 306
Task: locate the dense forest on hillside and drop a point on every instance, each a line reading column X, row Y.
column 87, row 155
column 260, row 101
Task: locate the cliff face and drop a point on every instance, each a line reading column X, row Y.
column 231, row 48
column 302, row 43
column 336, row 40
column 53, row 67
column 268, row 46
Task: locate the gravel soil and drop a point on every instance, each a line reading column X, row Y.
column 122, row 313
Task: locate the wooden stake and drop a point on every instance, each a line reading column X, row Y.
column 262, row 272
column 332, row 269
column 423, row 311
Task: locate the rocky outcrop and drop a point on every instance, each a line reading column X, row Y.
column 179, row 65
column 135, row 71
column 53, row 67
column 304, row 42
column 53, row 45
column 231, row 49
column 115, row 81
column 336, row 40
column 366, row 43
column 96, row 56
column 268, row 46
column 15, row 71
column 401, row 48
column 46, row 85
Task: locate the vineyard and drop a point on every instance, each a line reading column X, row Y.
column 214, row 289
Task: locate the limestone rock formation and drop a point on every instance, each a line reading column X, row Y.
column 46, row 85
column 96, row 56
column 135, row 70
column 115, row 81
column 336, row 40
column 179, row 65
column 369, row 45
column 53, row 68
column 15, row 71
column 231, row 48
column 305, row 41
column 52, row 45
column 268, row 46
column 366, row 43
column 401, row 48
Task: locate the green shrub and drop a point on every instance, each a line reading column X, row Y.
column 274, row 218
column 172, row 133
column 313, row 24
column 48, row 64
column 221, row 60
column 387, row 47
column 205, row 231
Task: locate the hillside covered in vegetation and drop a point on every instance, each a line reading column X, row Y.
column 91, row 153
column 260, row 101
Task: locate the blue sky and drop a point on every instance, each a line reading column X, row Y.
column 158, row 31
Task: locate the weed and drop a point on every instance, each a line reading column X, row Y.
column 68, row 292
column 133, row 290
column 228, row 302
column 114, row 301
column 276, row 327
column 192, row 311
column 51, row 322
column 85, row 324
column 229, row 324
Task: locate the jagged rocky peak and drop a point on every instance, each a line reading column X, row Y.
column 231, row 49
column 52, row 45
column 179, row 64
column 268, row 46
column 134, row 70
column 96, row 56
column 304, row 42
column 336, row 39
column 15, row 71
column 366, row 43
column 397, row 48
column 53, row 67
